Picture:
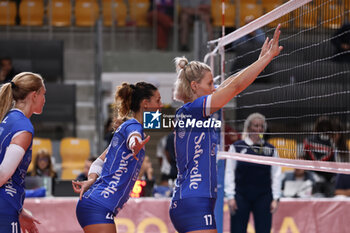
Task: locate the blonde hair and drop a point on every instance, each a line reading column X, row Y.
column 249, row 120
column 186, row 73
column 18, row 89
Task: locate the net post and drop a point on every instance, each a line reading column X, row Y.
column 219, row 207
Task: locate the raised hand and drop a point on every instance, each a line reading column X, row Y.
column 264, row 48
column 271, row 46
column 138, row 146
column 274, row 48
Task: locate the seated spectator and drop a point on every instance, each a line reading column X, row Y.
column 162, row 13
column 163, row 161
column 7, row 72
column 341, row 42
column 191, row 10
column 342, row 153
column 108, row 131
column 84, row 175
column 298, row 183
column 231, row 135
column 43, row 165
column 170, row 155
column 320, row 147
column 146, row 174
column 342, row 185
column 243, row 48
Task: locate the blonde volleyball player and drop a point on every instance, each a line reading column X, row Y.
column 27, row 91
column 192, row 206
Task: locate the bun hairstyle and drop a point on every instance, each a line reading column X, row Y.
column 186, row 73
column 129, row 96
column 18, row 89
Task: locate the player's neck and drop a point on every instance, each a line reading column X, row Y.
column 24, row 108
column 138, row 116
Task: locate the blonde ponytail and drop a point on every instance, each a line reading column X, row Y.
column 6, row 99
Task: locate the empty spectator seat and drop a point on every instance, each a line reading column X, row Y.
column 114, row 10
column 7, row 13
column 86, row 13
column 31, row 12
column 74, row 152
column 60, row 12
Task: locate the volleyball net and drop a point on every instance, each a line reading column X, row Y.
column 304, row 93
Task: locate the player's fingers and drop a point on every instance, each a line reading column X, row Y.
column 35, row 221
column 76, row 187
column 277, row 34
column 135, row 157
column 266, row 42
column 277, row 31
column 34, row 229
column 270, row 43
column 146, row 140
column 81, row 194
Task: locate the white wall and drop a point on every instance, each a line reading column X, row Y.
column 164, row 82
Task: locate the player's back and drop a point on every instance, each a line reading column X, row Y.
column 14, row 122
column 120, row 169
column 195, row 146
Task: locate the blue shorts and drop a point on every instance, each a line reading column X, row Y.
column 8, row 217
column 89, row 213
column 193, row 214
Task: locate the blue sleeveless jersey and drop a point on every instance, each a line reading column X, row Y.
column 195, row 148
column 120, row 170
column 13, row 191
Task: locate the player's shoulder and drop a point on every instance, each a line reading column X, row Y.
column 130, row 124
column 19, row 121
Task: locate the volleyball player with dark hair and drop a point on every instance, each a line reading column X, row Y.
column 192, row 207
column 113, row 174
column 27, row 92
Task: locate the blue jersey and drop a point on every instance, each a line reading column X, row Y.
column 120, row 170
column 13, row 191
column 195, row 148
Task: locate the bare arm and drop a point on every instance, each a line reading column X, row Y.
column 345, row 192
column 236, row 84
column 82, row 186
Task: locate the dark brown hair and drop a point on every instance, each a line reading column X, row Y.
column 129, row 96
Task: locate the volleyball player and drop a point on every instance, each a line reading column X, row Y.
column 113, row 174
column 27, row 92
column 192, row 206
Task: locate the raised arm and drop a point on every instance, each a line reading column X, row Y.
column 240, row 81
